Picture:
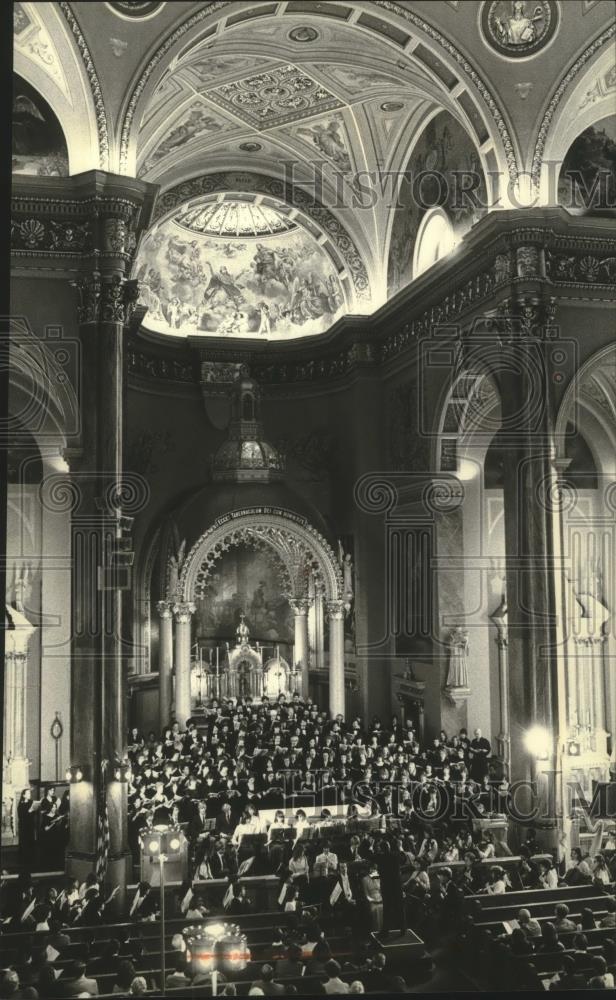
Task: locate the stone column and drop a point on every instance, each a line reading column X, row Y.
column 335, row 612
column 102, row 499
column 165, row 662
column 183, row 613
column 522, row 367
column 499, row 617
column 300, row 609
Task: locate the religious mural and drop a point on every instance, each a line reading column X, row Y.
column 38, row 143
column 249, row 583
column 588, row 174
column 446, row 157
column 243, row 270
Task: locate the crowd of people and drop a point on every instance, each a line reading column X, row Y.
column 366, row 827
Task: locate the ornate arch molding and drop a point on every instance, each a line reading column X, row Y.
column 468, row 72
column 93, row 81
column 292, row 195
column 573, row 398
column 470, row 401
column 546, row 131
column 295, row 543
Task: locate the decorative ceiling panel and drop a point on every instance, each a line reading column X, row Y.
column 284, row 94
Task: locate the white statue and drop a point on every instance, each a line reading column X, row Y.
column 346, row 565
column 457, row 676
column 22, row 586
column 174, row 568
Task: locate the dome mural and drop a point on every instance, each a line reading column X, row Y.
column 236, row 269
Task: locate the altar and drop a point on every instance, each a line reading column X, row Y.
column 241, row 670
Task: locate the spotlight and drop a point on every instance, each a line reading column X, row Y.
column 537, row 742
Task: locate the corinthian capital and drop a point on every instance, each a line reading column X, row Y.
column 183, row 612
column 300, row 605
column 165, row 609
column 335, row 609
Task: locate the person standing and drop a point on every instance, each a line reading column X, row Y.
column 479, row 751
column 371, row 886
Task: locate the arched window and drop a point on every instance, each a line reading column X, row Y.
column 435, row 239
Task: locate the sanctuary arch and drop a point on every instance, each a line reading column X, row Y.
column 310, row 580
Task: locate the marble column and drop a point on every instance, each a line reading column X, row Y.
column 102, row 499
column 183, row 613
column 300, row 610
column 522, row 368
column 165, row 662
column 335, row 613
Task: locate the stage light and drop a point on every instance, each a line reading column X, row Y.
column 538, row 742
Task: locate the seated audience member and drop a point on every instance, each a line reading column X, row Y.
column 291, row 966
column 530, row 927
column 380, row 980
column 497, row 884
column 578, row 872
column 125, row 977
column 75, row 983
column 568, row 978
column 549, row 938
column 178, row 976
column 609, row 920
column 600, row 972
column 334, row 983
column 561, row 919
column 548, row 876
column 266, row 983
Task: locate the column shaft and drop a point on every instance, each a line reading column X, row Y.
column 300, row 652
column 165, row 663
column 335, row 610
column 183, row 702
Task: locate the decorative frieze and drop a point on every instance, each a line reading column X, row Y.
column 591, row 269
column 49, row 236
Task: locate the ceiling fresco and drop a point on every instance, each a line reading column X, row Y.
column 38, row 143
column 234, row 269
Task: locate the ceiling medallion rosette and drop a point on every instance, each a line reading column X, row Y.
column 518, row 28
column 135, row 10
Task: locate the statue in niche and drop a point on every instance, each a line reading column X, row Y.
column 457, row 676
column 346, row 565
column 22, row 587
column 174, row 568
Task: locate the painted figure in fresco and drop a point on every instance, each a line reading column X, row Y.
column 519, row 28
column 222, row 282
column 329, row 141
column 264, row 321
column 195, row 125
column 266, row 265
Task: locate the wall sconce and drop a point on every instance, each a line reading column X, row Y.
column 74, row 774
column 123, row 771
column 573, row 748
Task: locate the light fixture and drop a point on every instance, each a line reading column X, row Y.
column 573, row 748
column 123, row 771
column 74, row 773
column 537, row 740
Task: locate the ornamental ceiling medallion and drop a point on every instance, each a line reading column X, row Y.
column 136, row 10
column 517, row 28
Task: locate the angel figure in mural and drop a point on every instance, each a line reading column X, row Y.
column 519, row 28
column 264, row 318
column 457, row 676
column 222, row 282
column 174, row 568
column 329, row 141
